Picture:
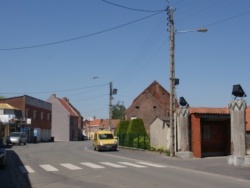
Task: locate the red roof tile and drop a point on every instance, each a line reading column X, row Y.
column 67, row 107
column 204, row 110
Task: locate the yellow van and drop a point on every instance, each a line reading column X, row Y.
column 104, row 140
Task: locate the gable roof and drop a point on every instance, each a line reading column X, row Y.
column 104, row 122
column 156, row 91
column 65, row 103
column 152, row 90
column 95, row 122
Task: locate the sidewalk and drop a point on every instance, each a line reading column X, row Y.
column 213, row 165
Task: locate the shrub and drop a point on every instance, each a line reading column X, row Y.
column 136, row 135
column 160, row 149
column 152, row 148
column 121, row 131
column 167, row 152
column 141, row 142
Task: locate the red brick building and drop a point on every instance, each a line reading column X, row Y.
column 36, row 115
column 151, row 103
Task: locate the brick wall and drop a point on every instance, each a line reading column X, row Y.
column 196, row 135
column 148, row 108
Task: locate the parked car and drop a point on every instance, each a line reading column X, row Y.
column 3, row 155
column 16, row 138
column 104, row 140
column 84, row 137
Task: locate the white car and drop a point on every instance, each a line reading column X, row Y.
column 16, row 138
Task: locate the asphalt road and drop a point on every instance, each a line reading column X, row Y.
column 75, row 164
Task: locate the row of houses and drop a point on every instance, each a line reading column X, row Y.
column 208, row 128
column 37, row 117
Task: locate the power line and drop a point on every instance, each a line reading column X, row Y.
column 55, row 91
column 134, row 9
column 80, row 37
column 228, row 19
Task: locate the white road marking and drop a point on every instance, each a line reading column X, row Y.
column 92, row 165
column 70, row 166
column 140, row 164
column 26, row 169
column 132, row 164
column 151, row 164
column 113, row 165
column 49, row 168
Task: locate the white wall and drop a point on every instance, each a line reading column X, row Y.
column 159, row 134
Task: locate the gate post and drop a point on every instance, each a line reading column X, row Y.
column 238, row 133
column 183, row 140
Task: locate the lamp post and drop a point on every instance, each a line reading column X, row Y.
column 110, row 103
column 173, row 80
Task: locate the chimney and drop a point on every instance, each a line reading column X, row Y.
column 66, row 99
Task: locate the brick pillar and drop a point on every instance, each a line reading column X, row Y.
column 196, row 135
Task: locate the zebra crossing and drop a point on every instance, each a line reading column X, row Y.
column 26, row 169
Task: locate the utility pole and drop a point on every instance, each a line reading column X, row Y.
column 172, row 80
column 110, row 103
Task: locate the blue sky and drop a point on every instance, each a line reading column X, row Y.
column 105, row 39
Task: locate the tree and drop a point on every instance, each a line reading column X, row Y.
column 118, row 111
column 2, row 97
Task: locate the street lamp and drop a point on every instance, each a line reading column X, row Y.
column 202, row 30
column 173, row 80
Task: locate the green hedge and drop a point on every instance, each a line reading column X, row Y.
column 136, row 135
column 121, row 130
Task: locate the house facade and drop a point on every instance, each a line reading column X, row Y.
column 151, row 103
column 66, row 120
column 35, row 116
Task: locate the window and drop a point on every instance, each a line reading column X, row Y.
column 105, row 136
column 42, row 116
column 48, row 117
column 27, row 113
column 35, row 114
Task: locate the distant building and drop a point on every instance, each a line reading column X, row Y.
column 66, row 120
column 34, row 116
column 93, row 125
